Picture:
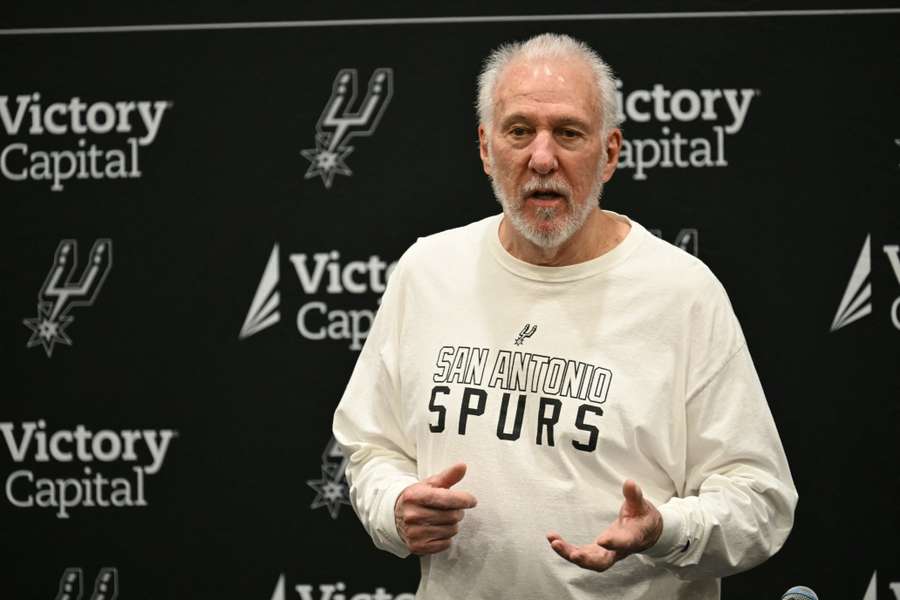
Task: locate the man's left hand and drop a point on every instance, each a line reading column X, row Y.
column 638, row 527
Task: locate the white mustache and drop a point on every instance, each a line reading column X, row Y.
column 546, row 184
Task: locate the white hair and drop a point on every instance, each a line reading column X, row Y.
column 549, row 45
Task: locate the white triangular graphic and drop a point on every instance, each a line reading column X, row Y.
column 855, row 303
column 872, row 590
column 278, row 594
column 263, row 311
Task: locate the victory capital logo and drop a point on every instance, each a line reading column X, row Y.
column 323, row 274
column 856, row 302
column 60, row 292
column 338, row 125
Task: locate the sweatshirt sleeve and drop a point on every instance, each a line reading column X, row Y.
column 738, row 501
column 369, row 427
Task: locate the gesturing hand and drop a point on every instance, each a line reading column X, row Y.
column 638, row 527
column 428, row 513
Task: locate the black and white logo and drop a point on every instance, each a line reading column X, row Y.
column 61, row 292
column 872, row 589
column 138, row 122
column 323, row 274
column 71, row 585
column 331, row 488
column 331, row 591
column 526, row 333
column 263, row 311
column 694, row 126
column 485, row 382
column 856, row 302
column 338, row 124
column 62, row 467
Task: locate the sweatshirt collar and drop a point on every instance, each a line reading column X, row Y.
column 602, row 263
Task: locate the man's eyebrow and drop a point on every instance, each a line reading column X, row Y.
column 514, row 118
column 560, row 122
column 575, row 121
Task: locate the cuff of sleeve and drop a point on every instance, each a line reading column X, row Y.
column 673, row 537
column 386, row 530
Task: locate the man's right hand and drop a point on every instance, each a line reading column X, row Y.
column 428, row 513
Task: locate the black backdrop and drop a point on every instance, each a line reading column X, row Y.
column 164, row 348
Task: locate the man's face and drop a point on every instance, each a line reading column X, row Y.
column 544, row 149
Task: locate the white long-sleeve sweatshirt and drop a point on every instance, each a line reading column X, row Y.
column 554, row 385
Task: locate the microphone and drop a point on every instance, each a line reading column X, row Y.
column 799, row 592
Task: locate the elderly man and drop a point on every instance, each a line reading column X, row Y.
column 574, row 375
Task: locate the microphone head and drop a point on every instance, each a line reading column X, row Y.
column 799, row 592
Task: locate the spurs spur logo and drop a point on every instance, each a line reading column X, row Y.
column 338, row 125
column 526, row 333
column 331, row 489
column 60, row 293
column 71, row 585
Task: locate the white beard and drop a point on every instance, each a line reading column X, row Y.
column 553, row 237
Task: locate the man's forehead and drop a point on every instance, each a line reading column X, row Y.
column 551, row 80
column 560, row 68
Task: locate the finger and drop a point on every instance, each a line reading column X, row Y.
column 446, row 499
column 587, row 557
column 561, row 546
column 634, row 497
column 430, row 547
column 425, row 533
column 420, row 515
column 444, row 517
column 448, row 477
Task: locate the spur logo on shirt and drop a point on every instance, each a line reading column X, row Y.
column 31, row 117
column 484, row 384
column 337, row 590
column 324, row 274
column 71, row 585
column 338, row 124
column 61, row 292
column 724, row 110
column 527, row 331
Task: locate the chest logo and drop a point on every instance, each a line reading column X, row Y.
column 526, row 333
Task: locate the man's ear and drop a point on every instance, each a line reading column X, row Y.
column 483, row 149
column 613, row 151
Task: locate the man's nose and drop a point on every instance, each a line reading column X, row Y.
column 543, row 154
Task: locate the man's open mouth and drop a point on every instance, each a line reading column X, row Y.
column 546, row 195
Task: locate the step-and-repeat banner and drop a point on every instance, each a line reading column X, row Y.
column 198, row 225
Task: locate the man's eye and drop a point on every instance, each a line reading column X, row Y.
column 570, row 133
column 518, row 131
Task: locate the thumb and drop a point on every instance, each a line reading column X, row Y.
column 634, row 497
column 448, row 477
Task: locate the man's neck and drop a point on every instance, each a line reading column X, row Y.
column 599, row 234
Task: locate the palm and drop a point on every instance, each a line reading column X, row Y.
column 636, row 529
